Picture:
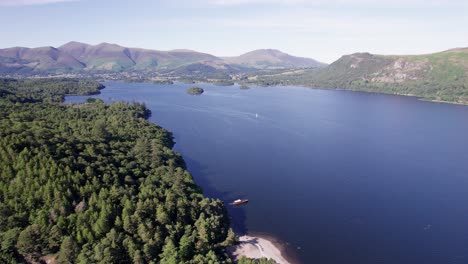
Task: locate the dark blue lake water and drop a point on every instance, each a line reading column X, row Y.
column 341, row 177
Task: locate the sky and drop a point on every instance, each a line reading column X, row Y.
column 320, row 29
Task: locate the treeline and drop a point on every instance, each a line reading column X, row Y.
column 97, row 183
column 46, row 89
column 454, row 91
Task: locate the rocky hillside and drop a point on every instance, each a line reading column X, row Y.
column 439, row 76
column 445, row 67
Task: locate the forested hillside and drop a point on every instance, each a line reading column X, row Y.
column 97, row 183
column 439, row 76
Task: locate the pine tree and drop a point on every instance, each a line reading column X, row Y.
column 30, row 243
column 68, row 251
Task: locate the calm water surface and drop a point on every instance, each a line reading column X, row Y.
column 341, row 177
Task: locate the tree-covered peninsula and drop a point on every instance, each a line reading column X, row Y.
column 97, row 183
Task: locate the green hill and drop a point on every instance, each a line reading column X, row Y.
column 440, row 76
column 272, row 59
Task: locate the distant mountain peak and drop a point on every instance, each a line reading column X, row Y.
column 74, row 43
column 266, row 51
column 106, row 44
column 182, row 50
column 273, row 58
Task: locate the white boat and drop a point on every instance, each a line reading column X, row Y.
column 240, row 201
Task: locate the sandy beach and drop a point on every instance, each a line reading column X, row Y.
column 257, row 247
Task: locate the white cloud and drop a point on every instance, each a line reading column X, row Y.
column 30, row 2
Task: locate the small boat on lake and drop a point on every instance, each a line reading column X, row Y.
column 240, row 201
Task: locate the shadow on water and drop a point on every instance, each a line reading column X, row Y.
column 237, row 214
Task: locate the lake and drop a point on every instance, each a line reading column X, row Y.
column 340, row 177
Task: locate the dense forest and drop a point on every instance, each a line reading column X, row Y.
column 45, row 89
column 454, row 91
column 97, row 183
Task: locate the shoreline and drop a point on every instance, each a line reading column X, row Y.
column 420, row 98
column 260, row 246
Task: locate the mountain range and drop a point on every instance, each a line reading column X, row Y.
column 105, row 57
column 441, row 76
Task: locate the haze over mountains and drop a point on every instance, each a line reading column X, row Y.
column 105, row 57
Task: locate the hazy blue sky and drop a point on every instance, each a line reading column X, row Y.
column 321, row 29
